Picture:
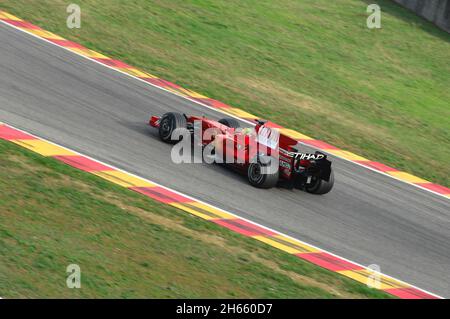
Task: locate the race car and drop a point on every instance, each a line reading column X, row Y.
column 267, row 157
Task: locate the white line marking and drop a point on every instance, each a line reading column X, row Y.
column 215, row 207
column 215, row 109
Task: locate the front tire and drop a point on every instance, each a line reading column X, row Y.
column 168, row 124
column 320, row 186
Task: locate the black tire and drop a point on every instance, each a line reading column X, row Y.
column 230, row 122
column 320, row 186
column 261, row 180
column 170, row 122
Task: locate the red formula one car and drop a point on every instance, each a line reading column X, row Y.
column 267, row 157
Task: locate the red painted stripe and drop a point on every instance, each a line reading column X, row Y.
column 435, row 187
column 319, row 144
column 83, row 163
column 166, row 83
column 211, row 102
column 410, row 293
column 328, row 261
column 243, row 227
column 66, row 43
column 154, row 81
column 378, row 166
column 161, row 194
column 114, row 63
column 22, row 24
column 218, row 104
column 8, row 133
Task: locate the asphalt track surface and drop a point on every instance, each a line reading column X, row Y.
column 368, row 218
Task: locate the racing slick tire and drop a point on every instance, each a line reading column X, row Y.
column 168, row 124
column 320, row 186
column 257, row 179
column 230, row 122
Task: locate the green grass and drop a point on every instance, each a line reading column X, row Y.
column 128, row 245
column 308, row 65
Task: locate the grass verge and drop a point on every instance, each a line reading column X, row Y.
column 308, row 65
column 129, row 246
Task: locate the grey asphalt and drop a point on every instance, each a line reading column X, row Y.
column 368, row 218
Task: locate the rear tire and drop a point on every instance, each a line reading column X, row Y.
column 230, row 122
column 168, row 124
column 257, row 179
column 320, row 186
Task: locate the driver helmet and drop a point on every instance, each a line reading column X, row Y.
column 247, row 131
